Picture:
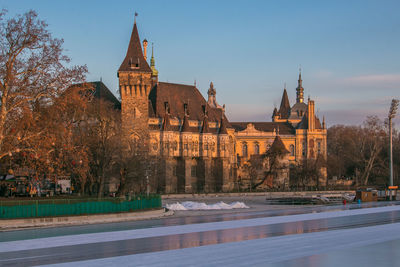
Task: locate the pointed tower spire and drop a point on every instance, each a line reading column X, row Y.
column 185, row 125
column 284, row 110
column 275, row 113
column 134, row 59
column 300, row 90
column 323, row 122
column 153, row 62
column 278, row 147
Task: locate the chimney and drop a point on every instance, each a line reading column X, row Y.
column 145, row 49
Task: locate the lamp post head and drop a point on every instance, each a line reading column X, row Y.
column 393, row 108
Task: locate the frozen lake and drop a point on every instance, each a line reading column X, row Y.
column 316, row 236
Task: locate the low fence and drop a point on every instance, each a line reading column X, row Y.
column 63, row 207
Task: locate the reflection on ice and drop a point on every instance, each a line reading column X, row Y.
column 190, row 205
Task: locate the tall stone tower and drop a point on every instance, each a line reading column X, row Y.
column 135, row 83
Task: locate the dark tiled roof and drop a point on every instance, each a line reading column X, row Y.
column 100, row 91
column 103, row 92
column 177, row 95
column 134, row 59
column 284, row 110
column 297, row 110
column 278, row 146
column 304, row 122
column 284, row 127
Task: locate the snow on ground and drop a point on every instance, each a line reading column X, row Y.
column 191, row 205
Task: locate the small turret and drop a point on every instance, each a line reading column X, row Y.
column 284, row 110
column 275, row 115
column 185, row 124
column 166, row 123
column 205, row 128
column 153, row 62
column 300, row 90
column 145, row 49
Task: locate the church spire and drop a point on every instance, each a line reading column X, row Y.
column 300, row 90
column 284, row 109
column 134, row 59
column 153, row 62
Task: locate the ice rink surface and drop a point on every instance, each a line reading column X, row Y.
column 337, row 237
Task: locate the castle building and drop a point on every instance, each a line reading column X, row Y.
column 197, row 147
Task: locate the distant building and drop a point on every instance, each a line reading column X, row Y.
column 198, row 149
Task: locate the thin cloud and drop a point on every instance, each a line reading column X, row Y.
column 376, row 79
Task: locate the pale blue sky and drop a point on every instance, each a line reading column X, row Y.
column 348, row 50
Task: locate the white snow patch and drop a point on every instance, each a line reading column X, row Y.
column 190, row 205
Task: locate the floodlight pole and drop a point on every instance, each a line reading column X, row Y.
column 392, row 114
column 390, row 155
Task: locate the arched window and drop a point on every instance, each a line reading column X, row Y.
column 256, row 148
column 291, row 148
column 244, row 150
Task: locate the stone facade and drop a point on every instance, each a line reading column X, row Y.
column 197, row 148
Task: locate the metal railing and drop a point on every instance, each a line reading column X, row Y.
column 63, row 207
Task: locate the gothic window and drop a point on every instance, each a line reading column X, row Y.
column 175, row 145
column 304, row 149
column 319, row 147
column 223, row 147
column 256, row 148
column 185, row 146
column 291, row 148
column 244, row 150
column 206, row 146
column 193, row 171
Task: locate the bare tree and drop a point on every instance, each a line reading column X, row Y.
column 32, row 72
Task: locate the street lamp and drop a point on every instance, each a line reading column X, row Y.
column 392, row 114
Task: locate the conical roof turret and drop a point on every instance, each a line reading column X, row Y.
column 185, row 125
column 275, row 113
column 278, row 146
column 300, row 90
column 284, row 109
column 134, row 59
